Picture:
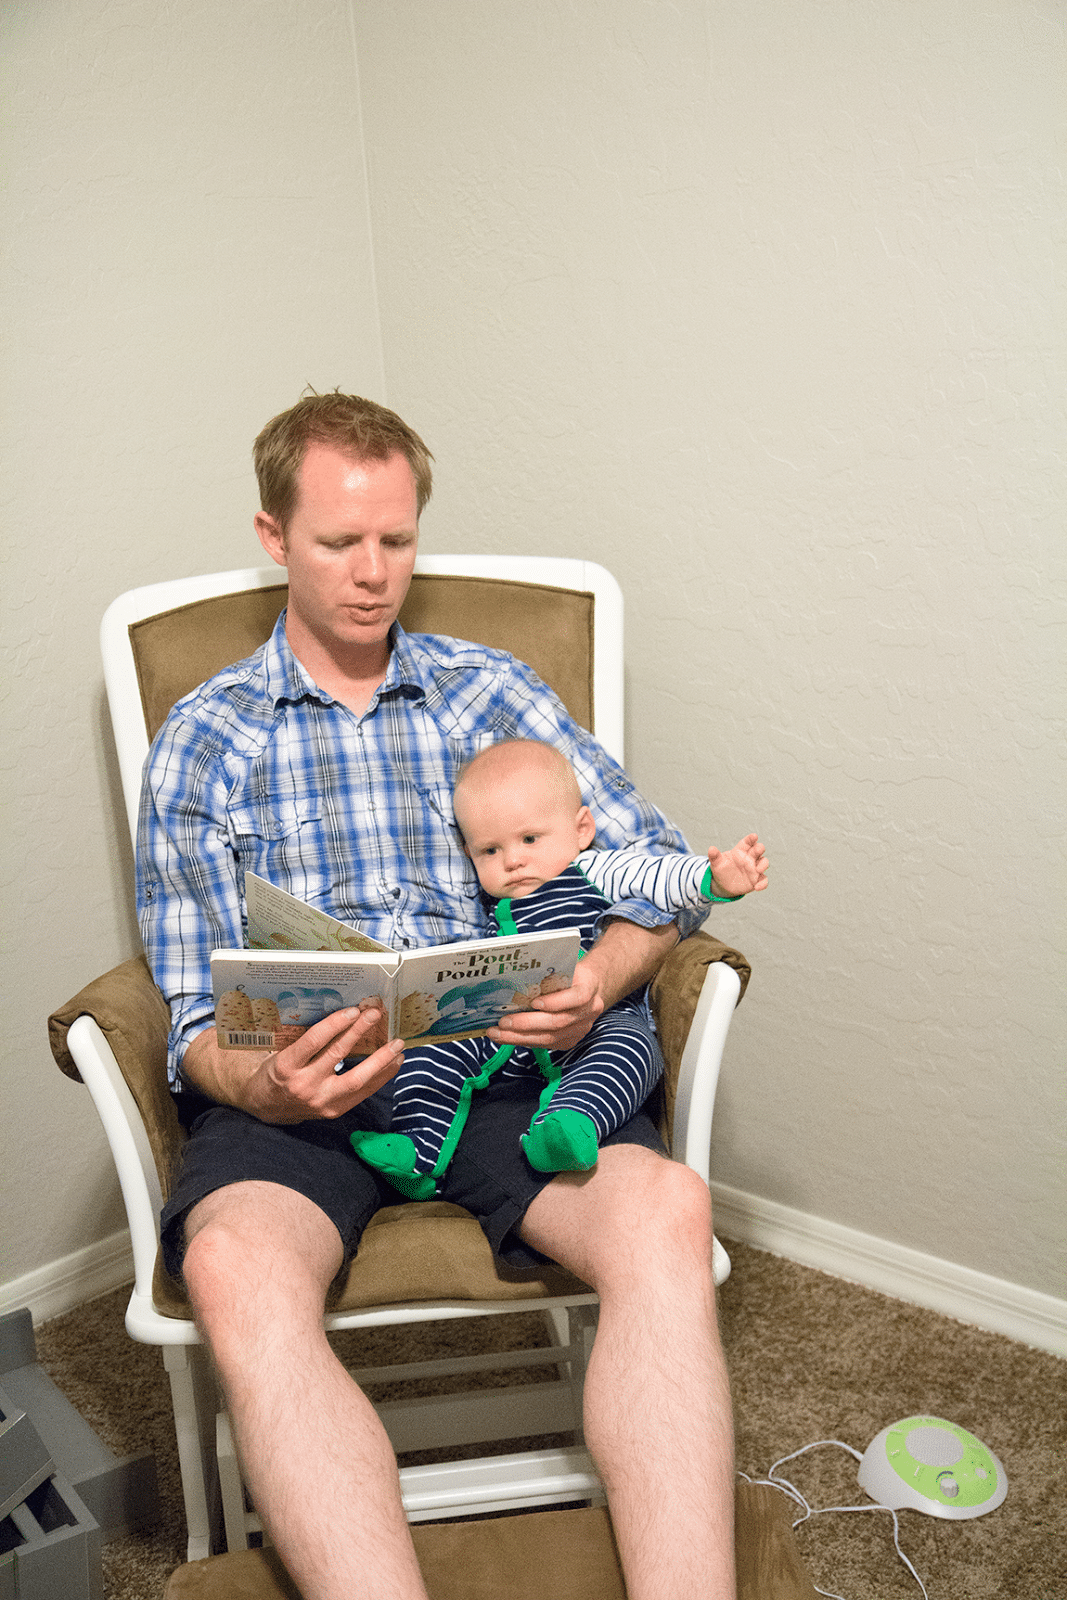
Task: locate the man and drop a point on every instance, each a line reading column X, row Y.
column 325, row 763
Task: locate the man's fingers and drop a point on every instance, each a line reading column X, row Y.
column 327, row 1040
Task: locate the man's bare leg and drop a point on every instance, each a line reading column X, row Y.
column 657, row 1403
column 317, row 1462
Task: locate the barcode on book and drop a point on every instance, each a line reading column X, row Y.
column 250, row 1041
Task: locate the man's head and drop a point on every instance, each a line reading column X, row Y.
column 342, row 481
column 357, row 428
column 520, row 811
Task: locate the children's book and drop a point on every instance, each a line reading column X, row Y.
column 303, row 964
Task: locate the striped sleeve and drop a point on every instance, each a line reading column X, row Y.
column 671, row 883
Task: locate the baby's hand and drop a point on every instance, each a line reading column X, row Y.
column 740, row 870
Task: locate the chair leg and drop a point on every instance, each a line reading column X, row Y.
column 234, row 1515
column 193, row 1397
column 583, row 1324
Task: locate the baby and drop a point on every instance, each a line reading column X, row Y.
column 528, row 834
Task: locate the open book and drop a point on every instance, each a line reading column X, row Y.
column 303, row 964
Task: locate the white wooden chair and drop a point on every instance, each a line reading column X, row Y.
column 418, row 1263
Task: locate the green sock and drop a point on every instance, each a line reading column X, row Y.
column 561, row 1141
column 393, row 1155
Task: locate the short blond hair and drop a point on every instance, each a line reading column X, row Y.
column 361, row 429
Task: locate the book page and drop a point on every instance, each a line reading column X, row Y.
column 264, row 1000
column 279, row 921
column 458, row 991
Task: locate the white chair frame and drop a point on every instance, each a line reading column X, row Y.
column 208, row 1463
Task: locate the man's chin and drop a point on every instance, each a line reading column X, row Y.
column 364, row 631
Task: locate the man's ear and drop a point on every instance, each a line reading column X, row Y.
column 271, row 537
column 586, row 827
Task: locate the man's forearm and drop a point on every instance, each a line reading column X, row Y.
column 628, row 955
column 223, row 1075
column 299, row 1082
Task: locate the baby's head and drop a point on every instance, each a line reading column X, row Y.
column 521, row 815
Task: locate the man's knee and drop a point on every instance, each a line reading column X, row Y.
column 640, row 1216
column 675, row 1218
column 252, row 1241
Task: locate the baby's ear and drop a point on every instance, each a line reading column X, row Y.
column 586, row 827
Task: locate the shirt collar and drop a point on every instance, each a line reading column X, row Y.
column 285, row 678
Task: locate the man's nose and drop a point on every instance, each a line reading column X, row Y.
column 367, row 566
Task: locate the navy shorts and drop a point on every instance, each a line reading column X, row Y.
column 489, row 1174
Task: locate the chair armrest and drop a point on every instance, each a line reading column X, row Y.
column 674, row 996
column 135, row 1020
column 674, row 993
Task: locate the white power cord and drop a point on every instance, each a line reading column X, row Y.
column 790, row 1489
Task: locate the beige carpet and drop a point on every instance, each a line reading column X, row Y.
column 811, row 1358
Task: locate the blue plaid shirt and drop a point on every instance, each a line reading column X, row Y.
column 259, row 770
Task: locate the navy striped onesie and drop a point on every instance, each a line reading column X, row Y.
column 605, row 1078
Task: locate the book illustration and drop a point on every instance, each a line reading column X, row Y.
column 265, row 1015
column 461, row 1009
column 233, row 1010
column 279, row 921
column 552, row 984
column 417, row 1014
column 268, row 995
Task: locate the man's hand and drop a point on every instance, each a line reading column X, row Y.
column 561, row 1019
column 741, row 870
column 624, row 957
column 300, row 1082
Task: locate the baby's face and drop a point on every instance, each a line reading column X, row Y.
column 521, row 834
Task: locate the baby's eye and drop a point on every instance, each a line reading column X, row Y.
column 490, row 850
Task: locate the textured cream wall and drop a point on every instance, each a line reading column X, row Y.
column 188, row 248
column 753, row 303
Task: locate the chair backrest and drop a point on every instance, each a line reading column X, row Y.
column 563, row 617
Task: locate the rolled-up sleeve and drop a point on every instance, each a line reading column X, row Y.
column 188, row 899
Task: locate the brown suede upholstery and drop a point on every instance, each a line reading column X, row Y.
column 425, row 1252
column 562, row 1554
column 550, row 629
column 135, row 1019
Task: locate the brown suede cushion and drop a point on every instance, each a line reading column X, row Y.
column 674, row 994
column 561, row 1554
column 428, row 1251
column 135, row 1019
column 550, row 629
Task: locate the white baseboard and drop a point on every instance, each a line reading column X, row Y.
column 1031, row 1318
column 1035, row 1319
column 72, row 1280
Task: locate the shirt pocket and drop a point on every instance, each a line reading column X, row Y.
column 281, row 840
